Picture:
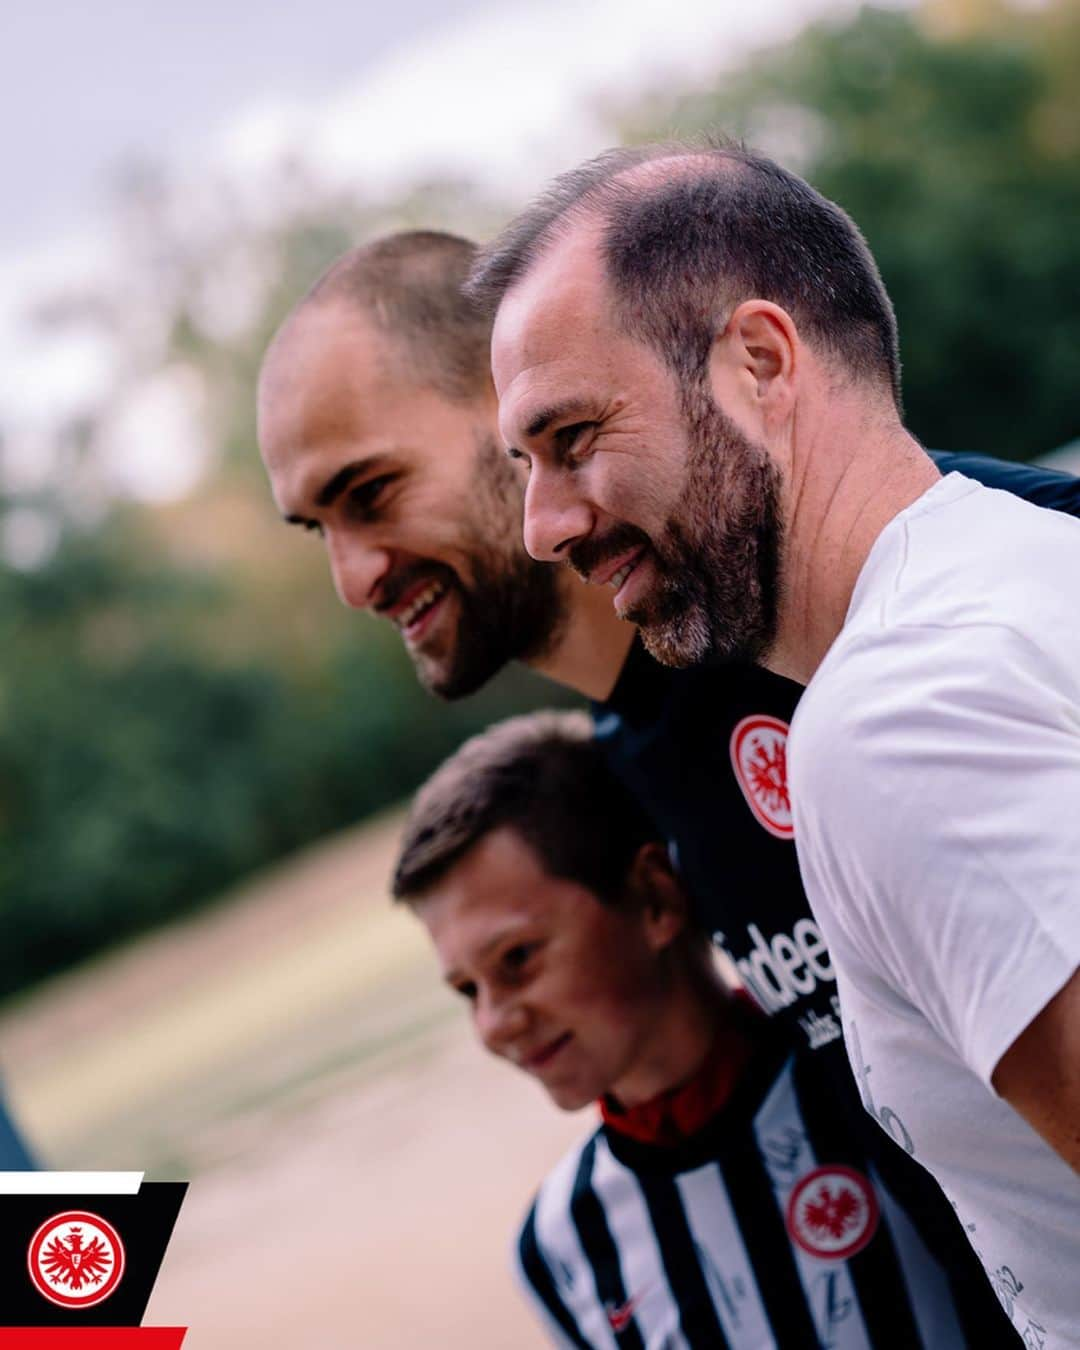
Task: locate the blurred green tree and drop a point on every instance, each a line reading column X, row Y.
column 140, row 772
column 952, row 138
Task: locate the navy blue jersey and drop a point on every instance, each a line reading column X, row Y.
column 704, row 750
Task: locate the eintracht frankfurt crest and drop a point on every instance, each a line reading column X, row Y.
column 832, row 1212
column 76, row 1259
column 759, row 758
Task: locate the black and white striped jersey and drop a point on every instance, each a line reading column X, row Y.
column 768, row 1228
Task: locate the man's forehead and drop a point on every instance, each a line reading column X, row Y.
column 551, row 335
column 562, row 293
column 320, row 343
column 331, row 377
column 317, row 356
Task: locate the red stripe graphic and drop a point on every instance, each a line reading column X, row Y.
column 91, row 1338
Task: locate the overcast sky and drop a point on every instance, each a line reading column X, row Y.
column 84, row 86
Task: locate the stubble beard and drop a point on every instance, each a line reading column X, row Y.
column 718, row 557
column 513, row 608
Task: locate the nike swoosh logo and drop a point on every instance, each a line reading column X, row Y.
column 620, row 1316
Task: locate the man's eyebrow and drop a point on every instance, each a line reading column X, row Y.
column 332, row 489
column 554, row 412
column 334, row 486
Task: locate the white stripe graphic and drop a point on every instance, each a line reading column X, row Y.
column 655, row 1309
column 830, row 1292
column 559, row 1242
column 70, row 1183
column 727, row 1267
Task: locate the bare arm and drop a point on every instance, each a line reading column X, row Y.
column 1039, row 1074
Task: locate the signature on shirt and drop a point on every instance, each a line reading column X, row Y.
column 885, row 1116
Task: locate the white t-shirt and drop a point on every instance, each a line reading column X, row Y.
column 935, row 779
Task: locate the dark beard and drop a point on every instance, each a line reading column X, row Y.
column 717, row 559
column 514, row 608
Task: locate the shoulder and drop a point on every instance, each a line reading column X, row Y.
column 924, row 742
column 1033, row 482
column 929, row 691
column 967, row 553
column 961, row 613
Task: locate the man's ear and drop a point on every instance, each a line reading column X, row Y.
column 658, row 895
column 753, row 363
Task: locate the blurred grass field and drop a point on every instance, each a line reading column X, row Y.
column 357, row 1165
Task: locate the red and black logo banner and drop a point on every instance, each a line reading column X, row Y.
column 78, row 1263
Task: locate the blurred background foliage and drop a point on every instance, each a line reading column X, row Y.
column 952, row 136
column 183, row 700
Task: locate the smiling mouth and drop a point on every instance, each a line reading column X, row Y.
column 623, row 582
column 410, row 620
column 542, row 1057
column 624, row 571
column 607, row 575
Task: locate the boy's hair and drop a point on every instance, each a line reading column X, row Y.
column 542, row 775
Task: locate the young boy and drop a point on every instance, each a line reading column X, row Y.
column 715, row 1204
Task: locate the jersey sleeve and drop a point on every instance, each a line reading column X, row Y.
column 535, row 1278
column 938, row 816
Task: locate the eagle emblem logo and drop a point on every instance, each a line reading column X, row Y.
column 759, row 758
column 76, row 1259
column 832, row 1212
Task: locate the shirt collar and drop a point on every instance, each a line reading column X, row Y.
column 683, row 1111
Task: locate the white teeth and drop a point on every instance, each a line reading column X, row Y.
column 620, row 576
column 427, row 596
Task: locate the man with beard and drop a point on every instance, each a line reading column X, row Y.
column 378, row 384
column 695, row 354
column 377, row 427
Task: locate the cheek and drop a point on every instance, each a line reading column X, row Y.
column 430, row 526
column 613, row 1000
column 640, row 491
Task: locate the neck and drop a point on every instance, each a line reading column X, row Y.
column 696, row 1011
column 834, row 518
column 592, row 647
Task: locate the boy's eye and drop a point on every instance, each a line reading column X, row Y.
column 313, row 527
column 518, row 956
column 466, row 989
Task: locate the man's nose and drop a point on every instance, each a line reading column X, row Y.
column 500, row 1021
column 357, row 568
column 557, row 516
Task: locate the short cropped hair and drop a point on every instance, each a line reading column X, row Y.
column 410, row 285
column 542, row 775
column 683, row 248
